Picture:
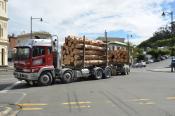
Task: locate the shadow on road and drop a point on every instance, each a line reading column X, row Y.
column 4, row 85
column 24, row 85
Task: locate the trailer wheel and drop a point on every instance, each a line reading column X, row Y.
column 67, row 77
column 98, row 74
column 107, row 73
column 45, row 79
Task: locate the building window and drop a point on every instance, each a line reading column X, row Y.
column 0, row 4
column 0, row 31
column 5, row 7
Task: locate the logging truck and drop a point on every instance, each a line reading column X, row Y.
column 39, row 61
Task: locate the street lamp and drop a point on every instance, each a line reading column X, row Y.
column 171, row 14
column 31, row 24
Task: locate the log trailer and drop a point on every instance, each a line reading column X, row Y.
column 37, row 61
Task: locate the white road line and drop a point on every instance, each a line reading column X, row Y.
column 10, row 87
column 19, row 100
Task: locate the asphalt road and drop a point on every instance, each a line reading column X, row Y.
column 145, row 92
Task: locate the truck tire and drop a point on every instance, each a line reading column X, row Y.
column 124, row 72
column 67, row 77
column 98, row 74
column 31, row 83
column 107, row 73
column 45, row 79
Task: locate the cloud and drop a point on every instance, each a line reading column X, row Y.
column 64, row 17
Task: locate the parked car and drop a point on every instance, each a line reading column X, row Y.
column 150, row 61
column 139, row 64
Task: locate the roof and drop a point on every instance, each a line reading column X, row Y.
column 34, row 34
column 34, row 42
column 117, row 43
column 112, row 39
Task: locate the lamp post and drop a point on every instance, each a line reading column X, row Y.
column 171, row 14
column 31, row 24
column 128, row 36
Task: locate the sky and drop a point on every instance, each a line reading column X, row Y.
column 139, row 18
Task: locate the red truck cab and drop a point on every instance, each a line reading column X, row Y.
column 32, row 57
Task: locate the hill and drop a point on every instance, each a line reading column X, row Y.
column 163, row 37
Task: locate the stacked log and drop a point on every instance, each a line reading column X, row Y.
column 72, row 52
column 119, row 56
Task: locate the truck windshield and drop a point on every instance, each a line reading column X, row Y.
column 22, row 53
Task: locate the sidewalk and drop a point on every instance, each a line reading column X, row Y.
column 9, row 67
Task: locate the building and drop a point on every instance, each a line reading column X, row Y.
column 36, row 35
column 3, row 33
column 11, row 46
column 112, row 39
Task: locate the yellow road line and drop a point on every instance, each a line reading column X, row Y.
column 170, row 98
column 73, row 103
column 31, row 109
column 30, row 104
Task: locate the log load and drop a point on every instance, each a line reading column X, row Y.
column 118, row 56
column 72, row 53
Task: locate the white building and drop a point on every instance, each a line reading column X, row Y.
column 3, row 33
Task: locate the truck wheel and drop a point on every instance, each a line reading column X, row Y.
column 31, row 83
column 124, row 72
column 98, row 74
column 45, row 79
column 107, row 73
column 67, row 77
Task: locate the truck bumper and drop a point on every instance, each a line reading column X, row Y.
column 26, row 76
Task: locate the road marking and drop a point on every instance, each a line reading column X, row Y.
column 143, row 101
column 81, row 104
column 10, row 87
column 30, row 109
column 170, row 98
column 31, row 104
column 149, row 103
column 73, row 103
